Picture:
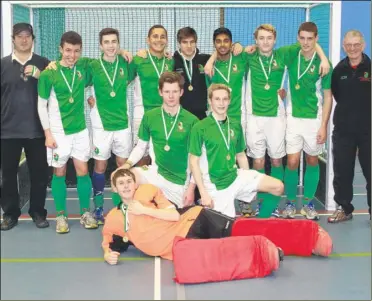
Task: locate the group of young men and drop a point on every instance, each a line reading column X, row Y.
column 244, row 104
column 196, row 119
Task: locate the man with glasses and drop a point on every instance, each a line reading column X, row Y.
column 351, row 88
column 21, row 128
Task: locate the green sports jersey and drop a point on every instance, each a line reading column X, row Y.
column 262, row 95
column 111, row 101
column 172, row 164
column 236, row 81
column 66, row 109
column 305, row 94
column 147, row 87
column 207, row 141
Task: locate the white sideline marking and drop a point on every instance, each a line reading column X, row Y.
column 157, row 279
column 181, row 294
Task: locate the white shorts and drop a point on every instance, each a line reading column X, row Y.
column 301, row 135
column 77, row 146
column 266, row 133
column 149, row 175
column 105, row 142
column 137, row 118
column 244, row 188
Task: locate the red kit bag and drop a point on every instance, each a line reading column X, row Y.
column 295, row 237
column 222, row 259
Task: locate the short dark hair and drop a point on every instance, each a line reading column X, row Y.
column 171, row 77
column 122, row 173
column 309, row 27
column 222, row 30
column 20, row 27
column 71, row 37
column 186, row 32
column 107, row 31
column 157, row 26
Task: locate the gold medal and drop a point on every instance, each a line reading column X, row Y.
column 267, row 87
column 167, row 148
column 191, row 88
column 112, row 94
column 297, row 87
column 125, row 239
column 71, row 100
column 228, row 157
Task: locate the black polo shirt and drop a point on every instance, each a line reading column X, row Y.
column 19, row 116
column 351, row 88
column 194, row 101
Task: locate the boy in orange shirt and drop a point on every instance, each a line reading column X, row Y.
column 146, row 219
column 151, row 222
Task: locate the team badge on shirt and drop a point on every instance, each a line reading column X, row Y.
column 166, row 67
column 275, row 64
column 78, row 74
column 232, row 134
column 312, row 69
column 121, row 72
column 96, row 150
column 235, row 68
column 180, row 126
column 201, row 68
column 365, row 74
column 55, row 157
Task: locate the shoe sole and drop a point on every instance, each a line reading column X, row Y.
column 90, row 227
column 9, row 228
column 340, row 221
column 63, row 232
column 315, row 218
column 289, row 216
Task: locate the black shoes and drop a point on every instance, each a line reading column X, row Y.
column 40, row 221
column 8, row 223
column 281, row 254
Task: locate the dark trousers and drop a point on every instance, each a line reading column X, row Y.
column 345, row 146
column 210, row 224
column 35, row 151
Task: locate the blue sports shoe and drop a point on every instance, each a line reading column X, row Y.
column 98, row 215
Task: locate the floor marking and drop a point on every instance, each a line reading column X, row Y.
column 73, row 259
column 157, row 276
column 365, row 254
column 25, row 217
column 73, row 199
column 181, row 294
column 157, row 279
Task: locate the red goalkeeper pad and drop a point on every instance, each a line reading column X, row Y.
column 295, row 237
column 222, row 259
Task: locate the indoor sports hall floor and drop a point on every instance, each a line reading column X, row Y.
column 38, row 264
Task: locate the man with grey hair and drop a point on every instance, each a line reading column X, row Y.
column 351, row 88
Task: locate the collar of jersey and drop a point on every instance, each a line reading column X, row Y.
column 168, row 115
column 155, row 58
column 63, row 67
column 109, row 63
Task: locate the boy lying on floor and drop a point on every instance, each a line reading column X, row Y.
column 150, row 222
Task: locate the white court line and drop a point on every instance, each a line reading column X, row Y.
column 157, row 279
column 78, row 218
column 181, row 294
